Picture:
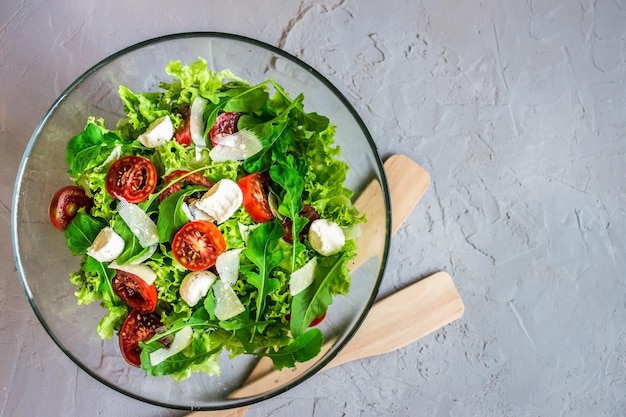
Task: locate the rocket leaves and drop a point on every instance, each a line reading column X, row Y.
column 261, row 251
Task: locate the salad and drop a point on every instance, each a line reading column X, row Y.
column 213, row 217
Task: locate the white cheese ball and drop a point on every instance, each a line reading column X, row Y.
column 221, row 201
column 195, row 286
column 107, row 246
column 326, row 237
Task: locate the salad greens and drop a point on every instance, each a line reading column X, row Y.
column 303, row 169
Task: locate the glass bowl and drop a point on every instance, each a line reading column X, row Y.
column 44, row 262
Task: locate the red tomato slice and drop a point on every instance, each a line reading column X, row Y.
column 137, row 328
column 195, row 178
column 65, row 204
column 255, row 189
column 132, row 178
column 135, row 292
column 225, row 124
column 197, row 245
column 183, row 133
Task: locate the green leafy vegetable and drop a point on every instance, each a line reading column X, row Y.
column 304, row 169
column 304, row 347
column 261, row 251
column 90, row 148
column 288, row 173
column 171, row 214
column 314, row 300
column 81, row 232
column 198, row 356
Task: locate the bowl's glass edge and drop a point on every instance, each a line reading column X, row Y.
column 383, row 183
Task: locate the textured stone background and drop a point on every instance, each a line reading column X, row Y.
column 517, row 109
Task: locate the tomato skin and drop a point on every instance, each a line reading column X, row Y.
column 137, row 327
column 134, row 291
column 183, row 133
column 317, row 320
column 65, row 204
column 195, row 178
column 131, row 178
column 225, row 124
column 255, row 189
column 197, row 245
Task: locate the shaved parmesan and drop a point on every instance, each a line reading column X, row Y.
column 182, row 339
column 227, row 304
column 158, row 133
column 196, row 124
column 227, row 265
column 301, row 278
column 142, row 271
column 236, row 147
column 139, row 223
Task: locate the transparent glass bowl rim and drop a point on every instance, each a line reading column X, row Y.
column 216, row 35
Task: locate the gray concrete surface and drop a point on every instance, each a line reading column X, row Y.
column 517, row 109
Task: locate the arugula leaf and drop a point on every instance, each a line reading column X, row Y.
column 171, row 215
column 89, row 148
column 277, row 142
column 261, row 251
column 289, row 174
column 249, row 100
column 313, row 301
column 132, row 247
column 313, row 122
column 109, row 298
column 199, row 319
column 304, row 347
column 81, row 232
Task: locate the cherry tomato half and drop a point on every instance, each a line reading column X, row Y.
column 137, row 327
column 197, row 245
column 183, row 133
column 134, row 291
column 65, row 204
column 255, row 189
column 225, row 124
column 195, row 178
column 132, row 178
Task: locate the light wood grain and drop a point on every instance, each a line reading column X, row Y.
column 404, row 317
column 392, row 323
column 407, row 182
